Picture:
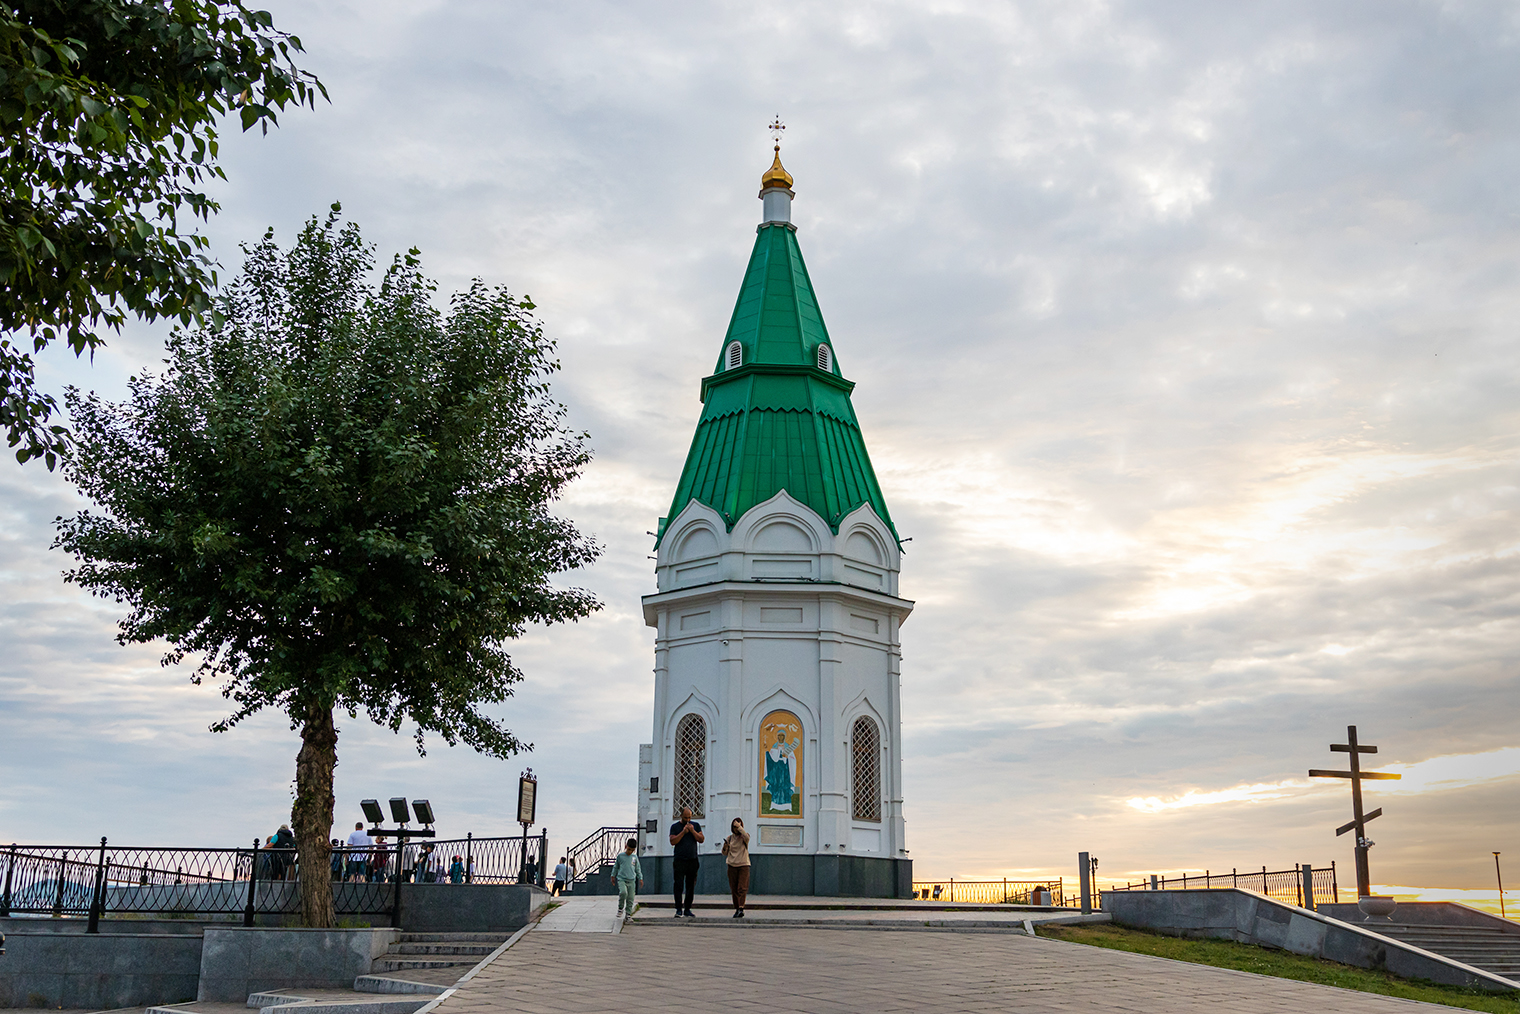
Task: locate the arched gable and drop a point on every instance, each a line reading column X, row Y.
column 863, row 521
column 695, row 516
column 697, row 540
column 777, row 699
column 697, row 703
column 782, row 508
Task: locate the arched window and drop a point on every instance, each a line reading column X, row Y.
column 734, row 357
column 865, row 768
column 825, row 358
column 691, row 765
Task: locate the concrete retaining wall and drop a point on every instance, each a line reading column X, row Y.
column 1250, row 918
column 98, row 971
column 236, row 962
column 140, row 963
column 72, row 926
column 469, row 908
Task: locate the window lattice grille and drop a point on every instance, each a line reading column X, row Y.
column 825, row 362
column 691, row 765
column 735, row 356
column 865, row 766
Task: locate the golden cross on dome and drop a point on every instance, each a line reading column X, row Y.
column 776, row 128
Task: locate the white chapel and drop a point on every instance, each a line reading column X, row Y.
column 776, row 614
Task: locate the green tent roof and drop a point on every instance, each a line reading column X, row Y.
column 778, row 421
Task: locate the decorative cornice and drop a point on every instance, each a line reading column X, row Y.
column 776, row 370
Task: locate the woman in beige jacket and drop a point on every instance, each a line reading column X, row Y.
column 736, row 852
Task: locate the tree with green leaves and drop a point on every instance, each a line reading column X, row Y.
column 338, row 498
column 108, row 115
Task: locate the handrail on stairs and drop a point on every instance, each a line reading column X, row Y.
column 598, row 847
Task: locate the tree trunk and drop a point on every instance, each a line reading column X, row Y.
column 312, row 815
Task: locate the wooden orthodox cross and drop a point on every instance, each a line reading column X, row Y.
column 1359, row 819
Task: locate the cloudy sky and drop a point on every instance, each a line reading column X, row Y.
column 1184, row 336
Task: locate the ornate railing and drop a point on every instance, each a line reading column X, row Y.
column 498, row 860
column 992, row 892
column 598, row 847
column 1279, row 885
column 99, row 880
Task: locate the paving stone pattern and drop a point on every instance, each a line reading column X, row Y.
column 580, row 915
column 820, row 971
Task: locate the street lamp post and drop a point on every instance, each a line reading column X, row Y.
column 1500, row 877
column 527, row 805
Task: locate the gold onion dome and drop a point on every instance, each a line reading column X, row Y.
column 776, row 175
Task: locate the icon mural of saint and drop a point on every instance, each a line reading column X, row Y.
column 781, row 765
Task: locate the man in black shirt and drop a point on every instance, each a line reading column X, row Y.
column 685, row 835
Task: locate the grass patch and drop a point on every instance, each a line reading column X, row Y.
column 1281, row 964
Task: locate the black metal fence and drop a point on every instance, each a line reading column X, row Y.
column 1279, row 885
column 993, row 892
column 101, row 880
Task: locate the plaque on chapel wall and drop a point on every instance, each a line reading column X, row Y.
column 771, row 834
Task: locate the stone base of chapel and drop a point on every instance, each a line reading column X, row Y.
column 820, row 876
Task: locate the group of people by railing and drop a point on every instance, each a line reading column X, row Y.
column 363, row 860
column 67, row 880
column 371, row 859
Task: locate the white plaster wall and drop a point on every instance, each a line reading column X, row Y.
column 780, row 613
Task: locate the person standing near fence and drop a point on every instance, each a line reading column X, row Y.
column 628, row 877
column 685, row 835
column 284, row 841
column 456, row 871
column 736, row 853
column 561, row 877
column 379, row 860
column 358, row 856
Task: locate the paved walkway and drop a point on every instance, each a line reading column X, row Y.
column 582, row 915
column 780, row 911
column 820, row 971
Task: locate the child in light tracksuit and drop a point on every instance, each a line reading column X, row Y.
column 626, row 874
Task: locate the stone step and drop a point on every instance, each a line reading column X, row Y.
column 463, row 938
column 1465, row 944
column 407, row 1006
column 331, row 1001
column 384, row 964
column 481, row 949
column 1425, row 934
column 1463, row 941
column 393, row 984
column 1491, row 949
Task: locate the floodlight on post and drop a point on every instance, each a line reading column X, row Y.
column 424, row 811
column 375, row 816
column 372, row 811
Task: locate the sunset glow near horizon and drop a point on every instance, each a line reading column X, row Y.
column 1185, row 350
